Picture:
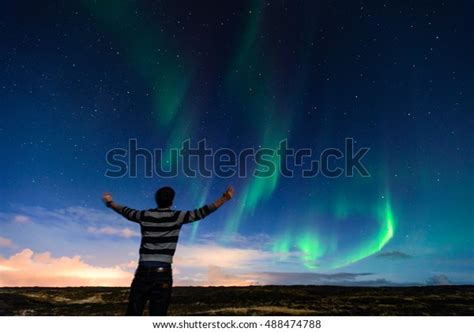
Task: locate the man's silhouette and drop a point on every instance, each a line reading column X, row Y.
column 160, row 228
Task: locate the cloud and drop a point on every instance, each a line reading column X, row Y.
column 21, row 219
column 216, row 265
column 394, row 255
column 196, row 266
column 69, row 229
column 439, row 280
column 130, row 265
column 204, row 255
column 219, row 276
column 26, row 268
column 295, row 278
column 71, row 215
column 122, row 232
column 379, row 282
column 6, row 243
column 258, row 240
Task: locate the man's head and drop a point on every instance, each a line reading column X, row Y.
column 164, row 197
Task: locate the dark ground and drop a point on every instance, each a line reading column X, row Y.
column 258, row 300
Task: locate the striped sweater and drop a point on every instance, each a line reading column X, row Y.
column 160, row 229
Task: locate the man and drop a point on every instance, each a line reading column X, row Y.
column 160, row 231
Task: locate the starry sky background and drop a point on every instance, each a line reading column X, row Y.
column 80, row 78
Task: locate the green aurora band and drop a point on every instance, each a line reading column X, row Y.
column 260, row 110
column 316, row 251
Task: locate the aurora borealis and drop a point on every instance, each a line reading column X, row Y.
column 81, row 78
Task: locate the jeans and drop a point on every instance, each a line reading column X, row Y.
column 150, row 284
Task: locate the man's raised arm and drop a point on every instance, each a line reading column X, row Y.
column 198, row 214
column 130, row 214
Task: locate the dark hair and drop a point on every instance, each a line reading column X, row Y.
column 164, row 197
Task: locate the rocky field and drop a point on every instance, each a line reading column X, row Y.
column 257, row 300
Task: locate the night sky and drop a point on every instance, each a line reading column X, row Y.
column 78, row 78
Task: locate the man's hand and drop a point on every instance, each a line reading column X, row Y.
column 107, row 198
column 226, row 196
column 229, row 193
